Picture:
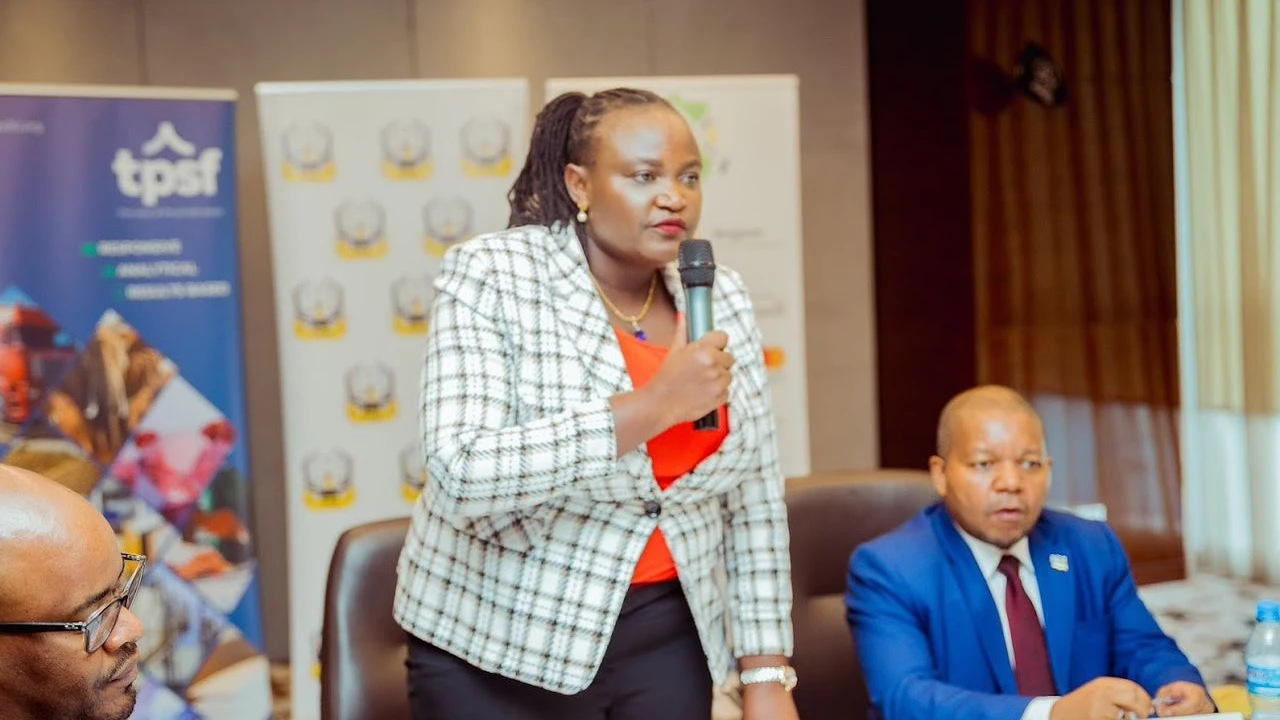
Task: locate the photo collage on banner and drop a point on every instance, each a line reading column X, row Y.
column 368, row 184
column 747, row 128
column 121, row 362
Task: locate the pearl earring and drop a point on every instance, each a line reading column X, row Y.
column 582, row 215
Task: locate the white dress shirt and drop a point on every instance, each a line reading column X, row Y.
column 988, row 558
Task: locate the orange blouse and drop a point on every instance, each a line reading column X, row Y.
column 675, row 452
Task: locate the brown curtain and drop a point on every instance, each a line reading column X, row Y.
column 1073, row 227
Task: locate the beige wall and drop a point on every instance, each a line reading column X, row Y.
column 236, row 43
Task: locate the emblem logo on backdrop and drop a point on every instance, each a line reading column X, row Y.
column 486, row 148
column 410, row 303
column 308, row 153
column 406, row 150
column 328, row 479
column 447, row 222
column 413, row 477
column 361, row 227
column 319, row 312
column 370, row 390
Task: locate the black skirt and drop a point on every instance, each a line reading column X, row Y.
column 654, row 667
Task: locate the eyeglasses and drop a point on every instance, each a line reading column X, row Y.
column 102, row 622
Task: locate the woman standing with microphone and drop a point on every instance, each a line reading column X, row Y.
column 562, row 561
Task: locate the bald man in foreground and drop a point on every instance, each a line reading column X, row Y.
column 987, row 607
column 68, row 641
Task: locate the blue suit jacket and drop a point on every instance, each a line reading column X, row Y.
column 929, row 635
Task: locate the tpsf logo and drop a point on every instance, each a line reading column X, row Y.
column 152, row 178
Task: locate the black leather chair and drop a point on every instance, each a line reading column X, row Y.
column 362, row 649
column 830, row 515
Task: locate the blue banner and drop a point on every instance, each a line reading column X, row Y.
column 121, row 365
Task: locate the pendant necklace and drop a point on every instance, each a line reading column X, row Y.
column 633, row 320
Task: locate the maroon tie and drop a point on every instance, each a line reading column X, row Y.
column 1030, row 655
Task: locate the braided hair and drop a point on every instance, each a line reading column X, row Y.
column 562, row 134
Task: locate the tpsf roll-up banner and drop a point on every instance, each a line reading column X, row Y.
column 368, row 184
column 121, row 362
column 748, row 129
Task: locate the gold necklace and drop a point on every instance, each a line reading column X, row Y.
column 633, row 320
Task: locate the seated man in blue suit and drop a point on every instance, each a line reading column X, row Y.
column 986, row 607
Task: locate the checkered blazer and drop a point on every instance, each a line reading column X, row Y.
column 524, row 541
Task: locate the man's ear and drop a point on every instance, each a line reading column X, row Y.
column 577, row 183
column 937, row 466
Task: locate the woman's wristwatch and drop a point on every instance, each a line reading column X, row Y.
column 784, row 674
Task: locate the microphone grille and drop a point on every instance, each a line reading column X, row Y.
column 697, row 263
column 696, row 253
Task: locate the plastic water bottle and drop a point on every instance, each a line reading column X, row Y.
column 1262, row 662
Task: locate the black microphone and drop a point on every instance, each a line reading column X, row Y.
column 698, row 274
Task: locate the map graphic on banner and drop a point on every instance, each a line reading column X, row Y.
column 747, row 128
column 121, row 362
column 368, row 185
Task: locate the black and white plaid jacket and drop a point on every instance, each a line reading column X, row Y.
column 524, row 542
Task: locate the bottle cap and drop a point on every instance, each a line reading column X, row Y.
column 1268, row 611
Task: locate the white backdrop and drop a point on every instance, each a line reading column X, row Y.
column 748, row 130
column 367, row 184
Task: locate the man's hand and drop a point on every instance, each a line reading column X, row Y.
column 1183, row 698
column 1105, row 698
column 768, row 701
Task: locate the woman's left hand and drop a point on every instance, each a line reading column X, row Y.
column 768, row 701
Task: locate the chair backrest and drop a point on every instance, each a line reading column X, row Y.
column 362, row 648
column 830, row 515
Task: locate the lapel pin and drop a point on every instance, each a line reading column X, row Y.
column 1058, row 562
